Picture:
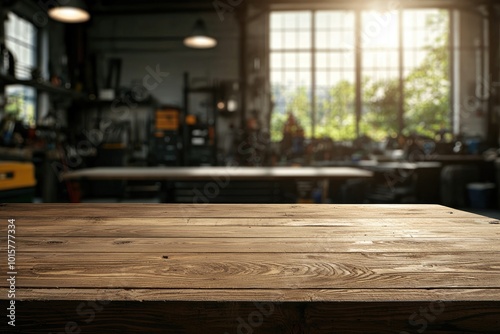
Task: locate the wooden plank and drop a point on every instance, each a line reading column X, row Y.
column 252, row 245
column 450, row 223
column 263, row 232
column 249, row 295
column 300, row 211
column 257, row 271
column 182, row 268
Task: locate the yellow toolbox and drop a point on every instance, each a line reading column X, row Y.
column 17, row 181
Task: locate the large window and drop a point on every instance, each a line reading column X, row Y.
column 291, row 65
column 397, row 61
column 426, row 71
column 335, row 74
column 380, row 74
column 21, row 40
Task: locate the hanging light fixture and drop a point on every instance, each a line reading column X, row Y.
column 199, row 38
column 72, row 11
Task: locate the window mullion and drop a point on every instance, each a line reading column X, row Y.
column 358, row 67
column 401, row 74
column 454, row 106
column 313, row 75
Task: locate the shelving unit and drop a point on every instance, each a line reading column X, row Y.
column 46, row 177
column 41, row 86
column 165, row 137
column 200, row 140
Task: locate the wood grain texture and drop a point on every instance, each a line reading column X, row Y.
column 207, row 211
column 266, row 270
column 276, row 295
column 225, row 221
column 325, row 268
column 260, row 232
column 129, row 244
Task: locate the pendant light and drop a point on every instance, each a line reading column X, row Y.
column 72, row 11
column 199, row 38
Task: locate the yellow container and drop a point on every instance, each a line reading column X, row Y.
column 16, row 175
column 167, row 120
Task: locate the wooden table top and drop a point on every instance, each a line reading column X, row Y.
column 205, row 173
column 376, row 165
column 251, row 252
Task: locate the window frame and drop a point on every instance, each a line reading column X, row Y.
column 359, row 51
column 36, row 45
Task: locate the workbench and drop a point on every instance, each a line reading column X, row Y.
column 208, row 173
column 170, row 268
column 221, row 184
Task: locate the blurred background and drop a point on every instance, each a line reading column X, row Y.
column 405, row 89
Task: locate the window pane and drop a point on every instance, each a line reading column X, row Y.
column 322, row 20
column 348, row 38
column 291, row 40
column 322, row 40
column 349, row 60
column 426, row 69
column 322, row 78
column 291, row 87
column 304, row 40
column 276, row 40
column 304, row 78
column 290, row 78
column 322, row 60
column 290, row 61
column 276, row 60
column 20, row 39
column 335, row 109
column 276, row 21
column 304, row 21
column 304, row 59
column 291, row 99
column 276, row 77
column 335, row 30
column 380, row 74
column 424, row 66
column 335, row 72
column 334, row 19
column 335, row 60
column 290, row 21
column 380, row 30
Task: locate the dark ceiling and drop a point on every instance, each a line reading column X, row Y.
column 155, row 6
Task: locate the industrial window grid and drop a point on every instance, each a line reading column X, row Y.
column 321, row 47
column 21, row 39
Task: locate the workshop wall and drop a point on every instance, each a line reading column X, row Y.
column 472, row 74
column 121, row 37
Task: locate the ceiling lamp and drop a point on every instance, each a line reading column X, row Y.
column 199, row 38
column 72, row 11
